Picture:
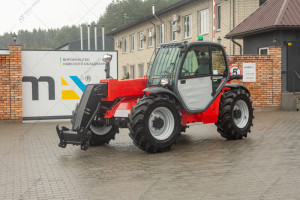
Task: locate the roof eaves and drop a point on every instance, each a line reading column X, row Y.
column 261, row 30
column 149, row 17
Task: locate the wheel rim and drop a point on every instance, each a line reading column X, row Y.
column 241, row 114
column 161, row 123
column 100, row 130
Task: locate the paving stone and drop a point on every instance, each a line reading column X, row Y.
column 202, row 165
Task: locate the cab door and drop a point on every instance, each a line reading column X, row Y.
column 201, row 75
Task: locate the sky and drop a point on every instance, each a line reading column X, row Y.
column 44, row 14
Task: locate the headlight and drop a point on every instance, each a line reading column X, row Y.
column 164, row 81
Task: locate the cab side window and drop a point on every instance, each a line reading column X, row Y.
column 218, row 61
column 197, row 62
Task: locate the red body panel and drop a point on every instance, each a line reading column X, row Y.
column 124, row 88
column 124, row 105
column 132, row 89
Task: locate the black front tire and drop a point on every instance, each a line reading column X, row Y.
column 141, row 129
column 229, row 122
column 99, row 140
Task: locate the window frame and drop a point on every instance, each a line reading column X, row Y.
column 218, row 17
column 132, row 42
column 132, row 72
column 204, row 11
column 185, row 36
column 141, row 40
column 161, row 34
column 173, row 31
column 141, row 66
column 125, row 44
column 263, row 48
column 150, row 38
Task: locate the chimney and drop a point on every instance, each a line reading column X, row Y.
column 103, row 38
column 81, row 38
column 95, row 29
column 89, row 38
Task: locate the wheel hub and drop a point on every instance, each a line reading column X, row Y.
column 158, row 123
column 241, row 113
column 237, row 114
column 161, row 123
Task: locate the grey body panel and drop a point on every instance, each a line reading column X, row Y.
column 196, row 92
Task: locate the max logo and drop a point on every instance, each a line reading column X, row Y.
column 35, row 86
column 66, row 94
column 71, row 94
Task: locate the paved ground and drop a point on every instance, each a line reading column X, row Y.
column 201, row 165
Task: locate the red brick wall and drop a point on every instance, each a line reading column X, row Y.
column 11, row 84
column 266, row 91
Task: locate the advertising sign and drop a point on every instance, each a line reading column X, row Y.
column 249, row 72
column 53, row 81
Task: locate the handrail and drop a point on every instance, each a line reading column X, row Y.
column 298, row 76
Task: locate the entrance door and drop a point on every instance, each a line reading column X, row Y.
column 293, row 64
column 201, row 75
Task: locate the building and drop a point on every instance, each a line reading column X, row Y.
column 76, row 45
column 183, row 21
column 279, row 25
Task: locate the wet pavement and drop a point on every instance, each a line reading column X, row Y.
column 202, row 165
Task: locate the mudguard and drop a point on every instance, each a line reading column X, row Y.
column 161, row 90
column 236, row 85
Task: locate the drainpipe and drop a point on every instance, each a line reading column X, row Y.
column 89, row 38
column 234, row 42
column 233, row 22
column 153, row 13
column 154, row 34
column 95, row 30
column 214, row 20
column 81, row 38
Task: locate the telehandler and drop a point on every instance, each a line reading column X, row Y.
column 188, row 84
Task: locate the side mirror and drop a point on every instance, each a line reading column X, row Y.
column 107, row 58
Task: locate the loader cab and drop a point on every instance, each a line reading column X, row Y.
column 196, row 72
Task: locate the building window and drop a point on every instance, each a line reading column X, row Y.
column 218, row 17
column 141, row 70
column 173, row 31
column 263, row 51
column 131, row 74
column 148, row 68
column 132, row 42
column 125, row 45
column 203, row 21
column 261, row 2
column 142, row 40
column 125, row 72
column 161, row 34
column 150, row 37
column 187, row 26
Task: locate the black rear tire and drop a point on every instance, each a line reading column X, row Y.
column 158, row 136
column 235, row 114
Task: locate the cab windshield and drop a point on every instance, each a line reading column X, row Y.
column 165, row 64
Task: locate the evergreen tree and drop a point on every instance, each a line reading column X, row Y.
column 117, row 14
